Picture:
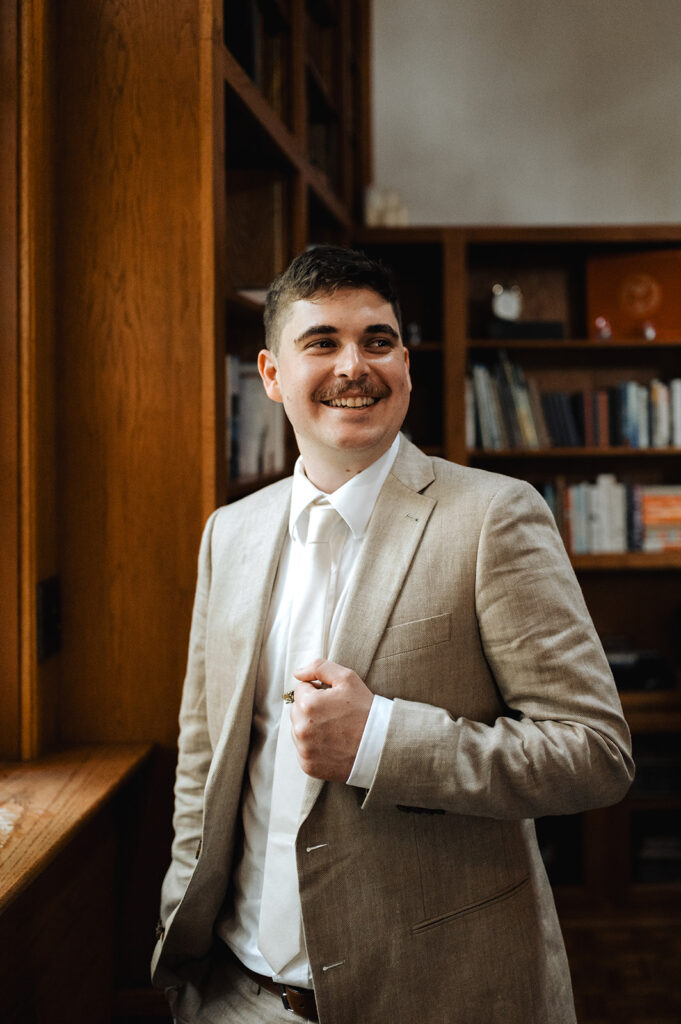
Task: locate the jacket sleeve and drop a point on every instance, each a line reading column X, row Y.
column 195, row 750
column 562, row 744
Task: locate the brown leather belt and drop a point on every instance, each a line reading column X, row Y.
column 300, row 1001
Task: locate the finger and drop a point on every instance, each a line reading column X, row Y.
column 321, row 670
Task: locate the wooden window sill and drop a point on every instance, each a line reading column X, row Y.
column 46, row 802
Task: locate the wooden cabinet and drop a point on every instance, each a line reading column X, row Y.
column 628, row 856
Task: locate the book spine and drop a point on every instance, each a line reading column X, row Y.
column 675, row 403
column 642, row 415
column 481, row 400
column 543, row 433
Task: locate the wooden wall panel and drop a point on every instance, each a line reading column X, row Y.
column 57, row 938
column 9, row 384
column 130, row 369
column 28, row 543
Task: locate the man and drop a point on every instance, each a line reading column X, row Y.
column 374, row 859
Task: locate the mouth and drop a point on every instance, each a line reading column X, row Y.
column 349, row 402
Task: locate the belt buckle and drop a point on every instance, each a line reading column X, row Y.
column 298, row 1008
column 284, row 999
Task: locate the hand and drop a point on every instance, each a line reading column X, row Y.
column 327, row 722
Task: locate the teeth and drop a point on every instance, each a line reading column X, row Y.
column 350, row 403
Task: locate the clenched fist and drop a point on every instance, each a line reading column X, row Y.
column 328, row 721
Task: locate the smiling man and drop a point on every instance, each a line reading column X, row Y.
column 391, row 673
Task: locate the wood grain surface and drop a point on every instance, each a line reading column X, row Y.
column 44, row 803
column 133, row 374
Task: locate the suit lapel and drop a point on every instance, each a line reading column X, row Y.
column 253, row 566
column 393, row 535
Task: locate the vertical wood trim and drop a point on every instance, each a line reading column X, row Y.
column 213, row 247
column 454, row 345
column 365, row 66
column 135, row 403
column 9, row 385
column 34, row 272
column 345, row 113
column 299, row 72
column 299, row 231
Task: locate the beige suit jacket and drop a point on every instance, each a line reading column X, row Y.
column 424, row 898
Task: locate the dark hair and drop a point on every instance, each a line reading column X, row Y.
column 324, row 270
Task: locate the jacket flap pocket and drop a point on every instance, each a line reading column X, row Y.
column 410, row 636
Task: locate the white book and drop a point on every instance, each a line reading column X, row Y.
column 612, row 530
column 580, row 543
column 601, row 504
column 619, row 517
column 489, row 427
column 595, row 518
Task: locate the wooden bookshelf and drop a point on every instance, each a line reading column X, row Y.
column 288, row 102
column 595, row 860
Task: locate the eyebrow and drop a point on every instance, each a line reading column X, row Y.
column 326, row 329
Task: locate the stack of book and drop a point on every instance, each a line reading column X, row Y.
column 506, row 409
column 256, row 438
column 608, row 516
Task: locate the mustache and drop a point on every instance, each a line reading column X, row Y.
column 358, row 389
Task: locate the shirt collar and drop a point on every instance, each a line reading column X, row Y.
column 354, row 501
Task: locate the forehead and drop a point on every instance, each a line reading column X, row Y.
column 349, row 307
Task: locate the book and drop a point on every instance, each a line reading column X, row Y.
column 661, row 517
column 675, row 404
column 660, row 414
column 261, row 438
column 232, row 382
column 543, row 434
column 485, row 405
column 471, row 432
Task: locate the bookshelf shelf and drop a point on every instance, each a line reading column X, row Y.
column 637, row 560
column 425, row 346
column 569, row 345
column 572, row 453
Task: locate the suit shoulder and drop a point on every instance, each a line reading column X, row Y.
column 468, row 480
column 239, row 514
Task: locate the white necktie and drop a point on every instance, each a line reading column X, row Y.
column 280, row 936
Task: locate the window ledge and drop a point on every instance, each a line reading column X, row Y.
column 44, row 803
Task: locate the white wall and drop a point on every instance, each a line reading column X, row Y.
column 529, row 111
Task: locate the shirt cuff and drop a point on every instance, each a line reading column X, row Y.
column 371, row 744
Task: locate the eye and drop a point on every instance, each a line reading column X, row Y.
column 381, row 343
column 322, row 343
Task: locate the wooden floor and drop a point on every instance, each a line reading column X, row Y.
column 626, row 974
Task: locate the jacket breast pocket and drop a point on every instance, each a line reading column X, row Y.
column 484, row 904
column 414, row 635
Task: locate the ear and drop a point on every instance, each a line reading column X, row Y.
column 406, row 363
column 269, row 372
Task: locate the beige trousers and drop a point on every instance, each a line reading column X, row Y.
column 231, row 997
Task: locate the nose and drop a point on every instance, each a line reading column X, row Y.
column 351, row 362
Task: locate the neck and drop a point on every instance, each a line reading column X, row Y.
column 328, row 474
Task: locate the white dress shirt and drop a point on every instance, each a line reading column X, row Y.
column 354, row 502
